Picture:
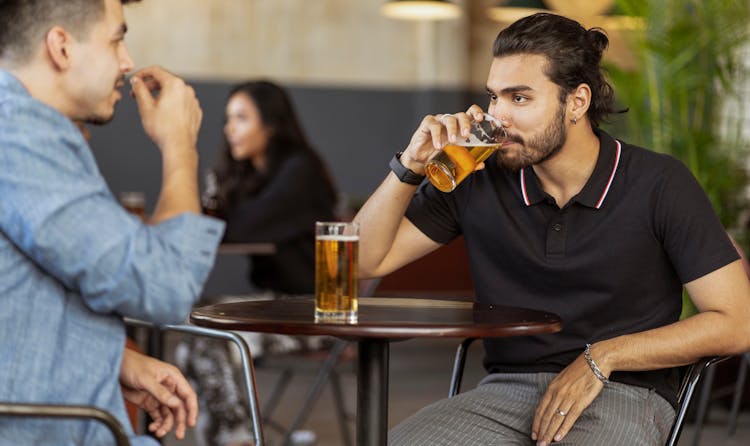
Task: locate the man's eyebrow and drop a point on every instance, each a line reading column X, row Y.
column 510, row 90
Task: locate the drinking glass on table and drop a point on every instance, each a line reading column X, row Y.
column 457, row 160
column 336, row 271
column 134, row 202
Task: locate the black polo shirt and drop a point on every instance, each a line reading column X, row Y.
column 610, row 262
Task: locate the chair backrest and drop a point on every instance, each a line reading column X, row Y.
column 685, row 395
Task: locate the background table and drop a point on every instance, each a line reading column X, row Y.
column 380, row 321
column 247, row 248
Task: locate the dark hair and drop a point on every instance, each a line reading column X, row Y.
column 23, row 23
column 238, row 180
column 573, row 53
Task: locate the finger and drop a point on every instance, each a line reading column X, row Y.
column 436, row 132
column 155, row 74
column 142, row 95
column 188, row 396
column 464, row 123
column 553, row 421
column 572, row 416
column 476, row 113
column 539, row 414
column 451, row 126
column 175, row 385
column 167, row 421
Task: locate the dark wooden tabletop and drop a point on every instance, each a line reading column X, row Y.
column 389, row 318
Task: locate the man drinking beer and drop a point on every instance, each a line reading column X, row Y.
column 568, row 219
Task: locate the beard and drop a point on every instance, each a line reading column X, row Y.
column 539, row 147
column 99, row 118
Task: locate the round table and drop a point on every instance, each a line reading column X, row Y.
column 380, row 320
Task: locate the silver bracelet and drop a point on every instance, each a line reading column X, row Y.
column 592, row 364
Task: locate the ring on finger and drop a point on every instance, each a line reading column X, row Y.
column 561, row 412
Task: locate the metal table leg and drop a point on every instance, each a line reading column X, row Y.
column 372, row 393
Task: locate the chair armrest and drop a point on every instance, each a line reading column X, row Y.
column 67, row 411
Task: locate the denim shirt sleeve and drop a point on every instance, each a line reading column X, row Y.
column 57, row 209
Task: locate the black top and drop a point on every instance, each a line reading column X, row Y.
column 610, row 262
column 284, row 212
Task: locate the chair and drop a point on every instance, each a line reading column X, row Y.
column 287, row 364
column 248, row 373
column 121, row 439
column 737, row 390
column 684, row 396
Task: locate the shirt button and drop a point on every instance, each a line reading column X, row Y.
column 557, row 227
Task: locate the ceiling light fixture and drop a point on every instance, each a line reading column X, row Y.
column 421, row 9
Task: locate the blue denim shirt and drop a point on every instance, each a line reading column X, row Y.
column 72, row 263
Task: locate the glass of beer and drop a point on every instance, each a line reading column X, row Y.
column 456, row 161
column 135, row 203
column 336, row 271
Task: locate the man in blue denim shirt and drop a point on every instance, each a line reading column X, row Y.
column 72, row 261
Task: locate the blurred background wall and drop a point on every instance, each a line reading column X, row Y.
column 360, row 81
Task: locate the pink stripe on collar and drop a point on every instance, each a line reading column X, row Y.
column 611, row 176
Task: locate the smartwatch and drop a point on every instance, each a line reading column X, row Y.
column 403, row 173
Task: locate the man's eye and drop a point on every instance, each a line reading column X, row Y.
column 519, row 98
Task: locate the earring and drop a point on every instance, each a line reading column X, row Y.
column 575, row 120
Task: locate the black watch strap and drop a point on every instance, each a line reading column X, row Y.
column 403, row 173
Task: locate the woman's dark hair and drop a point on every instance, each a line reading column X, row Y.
column 238, row 180
column 573, row 53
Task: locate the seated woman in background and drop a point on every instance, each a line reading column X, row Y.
column 272, row 186
column 269, row 185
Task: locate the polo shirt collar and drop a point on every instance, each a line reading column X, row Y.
column 597, row 187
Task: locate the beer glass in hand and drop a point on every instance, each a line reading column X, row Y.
column 456, row 161
column 336, row 271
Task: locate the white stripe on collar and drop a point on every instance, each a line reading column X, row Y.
column 618, row 152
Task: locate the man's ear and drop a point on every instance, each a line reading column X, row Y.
column 579, row 101
column 58, row 45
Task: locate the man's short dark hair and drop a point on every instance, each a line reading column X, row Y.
column 24, row 23
column 573, row 54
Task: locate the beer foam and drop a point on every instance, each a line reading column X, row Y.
column 338, row 238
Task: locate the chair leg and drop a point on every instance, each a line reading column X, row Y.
column 458, row 367
column 273, row 400
column 703, row 404
column 314, row 391
column 739, row 388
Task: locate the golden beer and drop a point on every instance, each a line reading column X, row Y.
column 336, row 272
column 449, row 167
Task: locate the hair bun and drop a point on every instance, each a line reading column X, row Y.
column 598, row 40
